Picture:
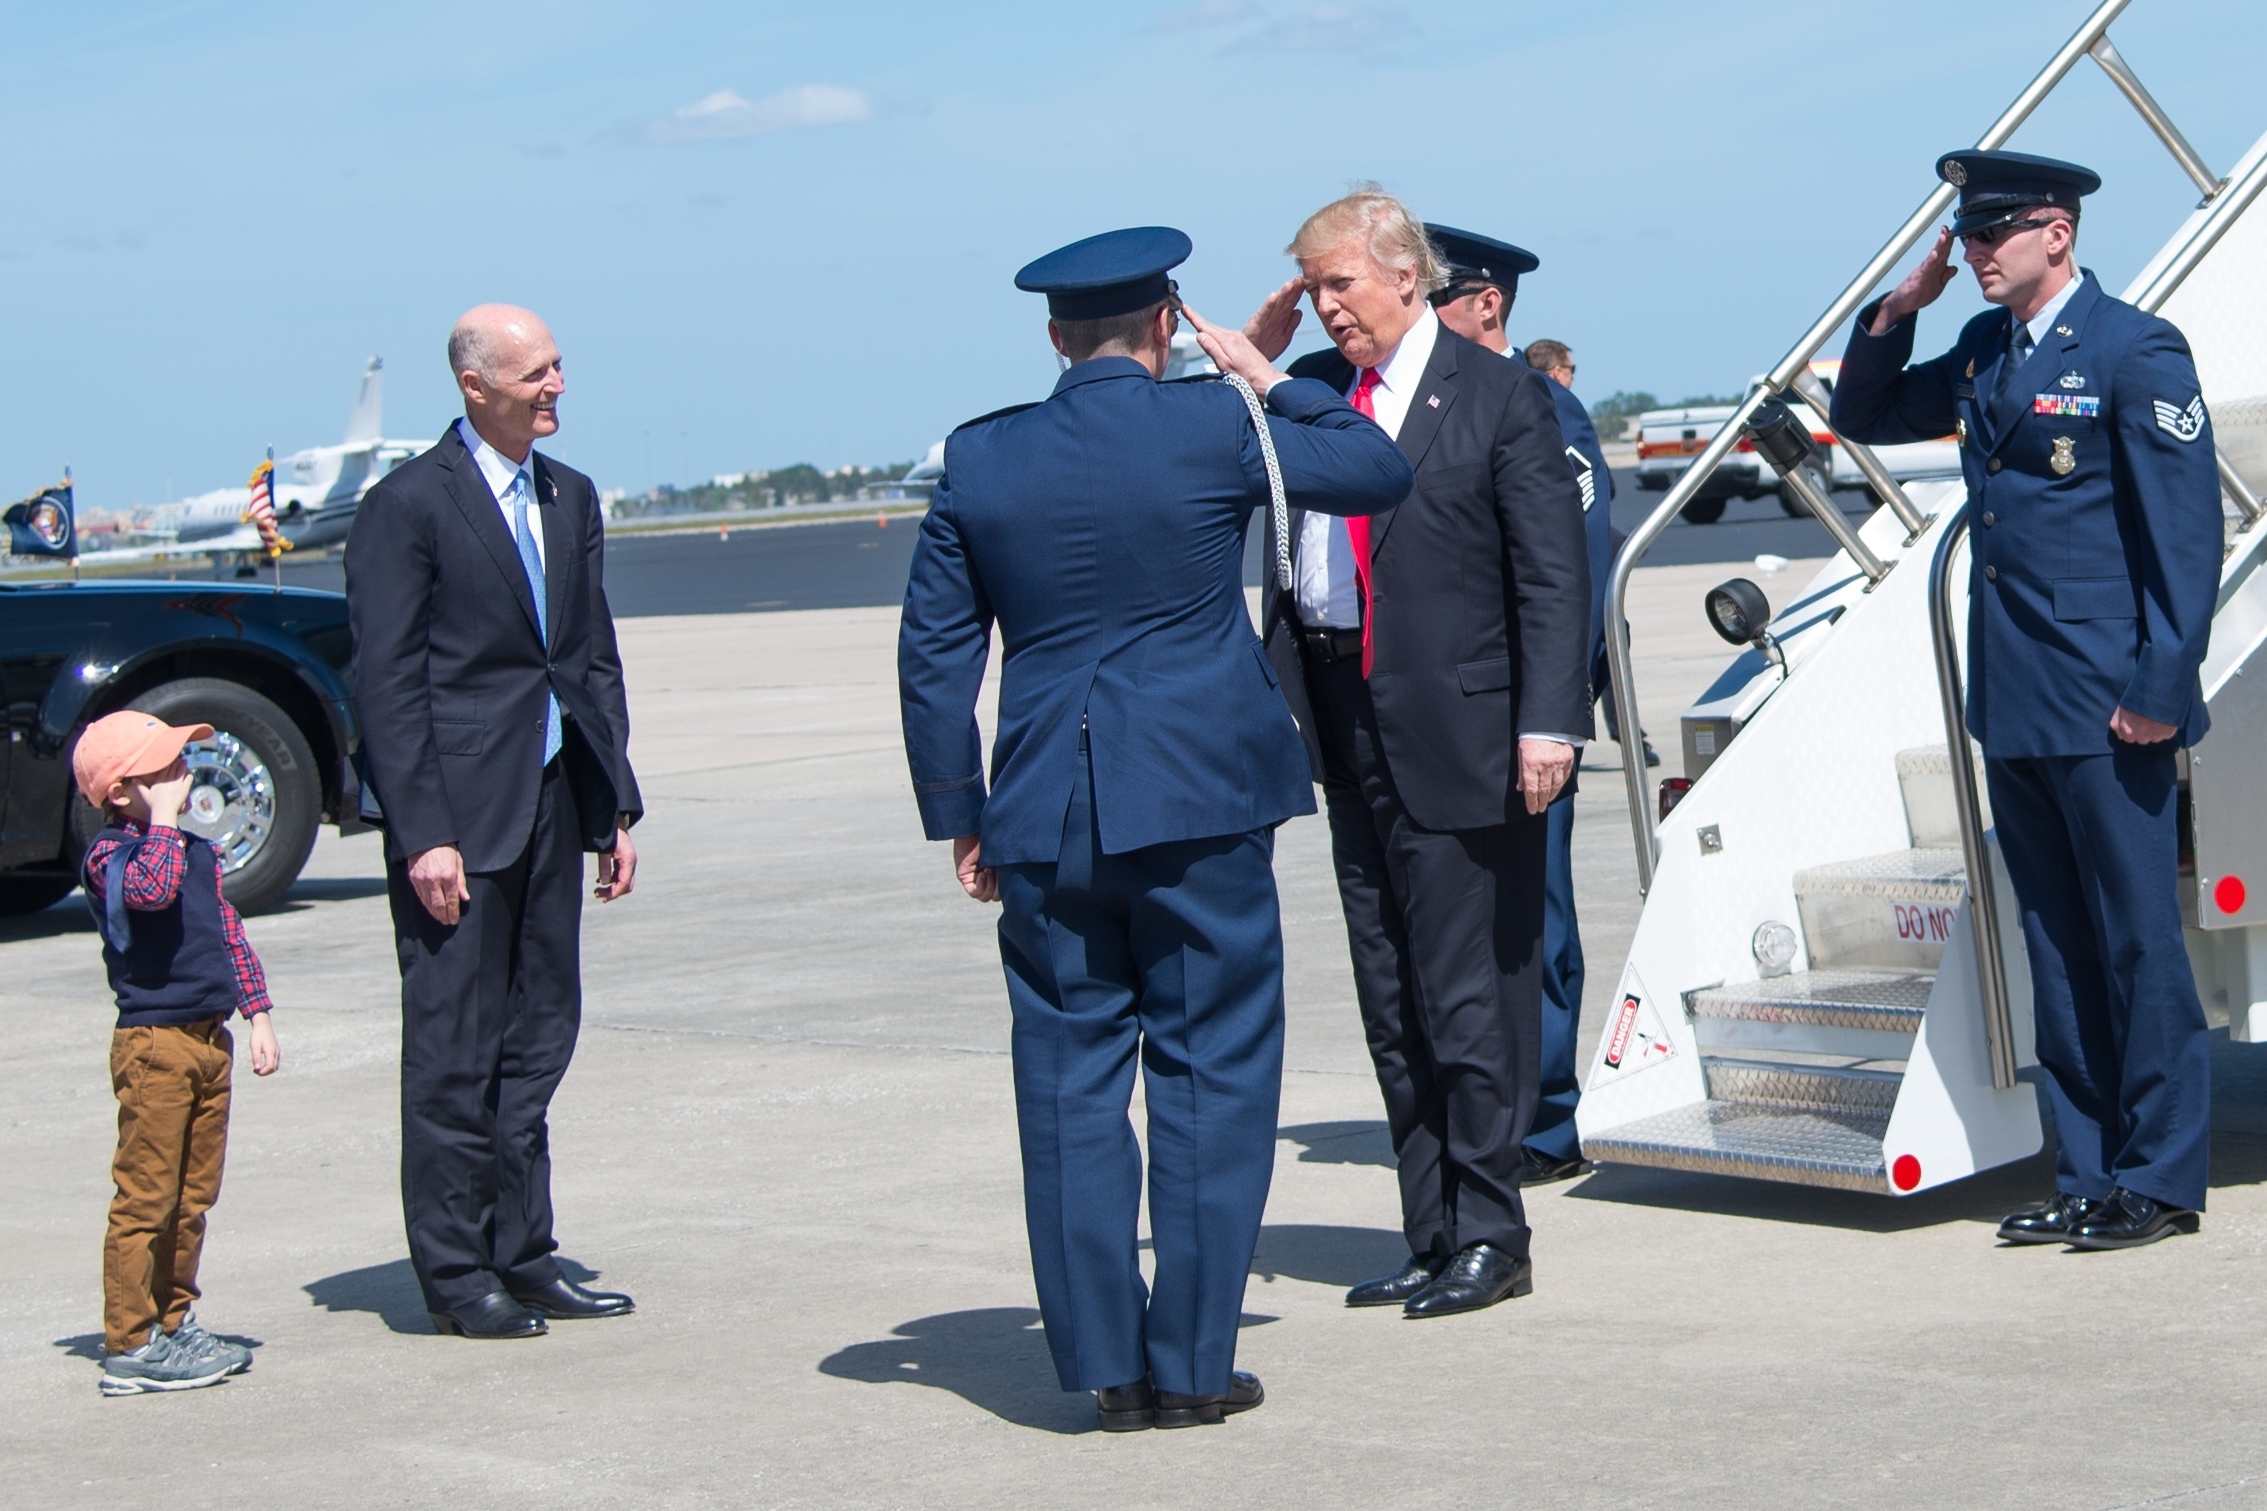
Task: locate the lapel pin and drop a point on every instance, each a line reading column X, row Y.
column 1433, row 402
column 2064, row 330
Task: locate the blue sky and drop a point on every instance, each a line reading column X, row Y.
column 769, row 233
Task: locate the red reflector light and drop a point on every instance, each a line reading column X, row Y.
column 2228, row 894
column 1906, row 1173
column 1673, row 790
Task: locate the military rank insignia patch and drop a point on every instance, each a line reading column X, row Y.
column 2083, row 406
column 2065, row 458
column 2183, row 425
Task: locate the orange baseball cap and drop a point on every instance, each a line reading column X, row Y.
column 125, row 744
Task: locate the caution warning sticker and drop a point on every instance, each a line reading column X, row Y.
column 1636, row 1038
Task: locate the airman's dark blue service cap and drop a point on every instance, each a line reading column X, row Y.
column 1999, row 186
column 1480, row 259
column 1115, row 273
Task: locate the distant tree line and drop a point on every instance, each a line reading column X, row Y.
column 777, row 488
column 1613, row 414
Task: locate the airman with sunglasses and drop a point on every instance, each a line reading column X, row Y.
column 2094, row 501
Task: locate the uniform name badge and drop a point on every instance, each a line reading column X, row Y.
column 2065, row 458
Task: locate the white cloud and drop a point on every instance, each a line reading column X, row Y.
column 1331, row 28
column 725, row 114
column 1205, row 13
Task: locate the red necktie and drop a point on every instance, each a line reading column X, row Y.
column 1358, row 525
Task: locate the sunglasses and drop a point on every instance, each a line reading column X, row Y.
column 1992, row 236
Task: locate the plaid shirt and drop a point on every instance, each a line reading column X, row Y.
column 153, row 883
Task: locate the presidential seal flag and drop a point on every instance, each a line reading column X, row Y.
column 260, row 512
column 42, row 525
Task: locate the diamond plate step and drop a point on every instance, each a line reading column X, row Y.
column 1932, row 813
column 1801, row 1088
column 1883, row 999
column 1841, row 1149
column 1881, row 910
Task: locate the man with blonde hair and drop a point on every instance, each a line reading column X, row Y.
column 1437, row 660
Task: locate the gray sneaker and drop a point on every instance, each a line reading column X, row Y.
column 191, row 1337
column 161, row 1364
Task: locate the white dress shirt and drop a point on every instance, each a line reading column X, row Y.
column 1323, row 573
column 499, row 470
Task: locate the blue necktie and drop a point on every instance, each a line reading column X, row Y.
column 521, row 486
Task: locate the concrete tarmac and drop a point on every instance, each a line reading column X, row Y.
column 789, row 1132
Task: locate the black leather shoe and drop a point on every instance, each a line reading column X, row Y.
column 2129, row 1219
column 1393, row 1289
column 495, row 1315
column 1176, row 1410
column 1541, row 1169
column 1127, row 1408
column 1477, row 1275
column 564, row 1301
column 2051, row 1223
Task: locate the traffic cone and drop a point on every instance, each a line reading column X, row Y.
column 723, row 532
column 881, row 521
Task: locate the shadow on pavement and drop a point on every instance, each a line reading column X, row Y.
column 312, row 889
column 1355, row 1142
column 390, row 1291
column 1327, row 1254
column 70, row 916
column 89, row 1345
column 992, row 1357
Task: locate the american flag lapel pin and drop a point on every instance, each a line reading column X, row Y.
column 1433, row 401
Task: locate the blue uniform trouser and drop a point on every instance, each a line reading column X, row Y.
column 1552, row 1134
column 2091, row 846
column 1174, row 951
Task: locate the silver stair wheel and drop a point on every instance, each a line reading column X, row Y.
column 233, row 800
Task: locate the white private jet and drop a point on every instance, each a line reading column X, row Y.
column 316, row 492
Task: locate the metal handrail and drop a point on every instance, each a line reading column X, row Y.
column 1619, row 662
column 2137, row 94
column 1892, row 492
column 1983, row 897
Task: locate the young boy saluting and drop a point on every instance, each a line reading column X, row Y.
column 179, row 964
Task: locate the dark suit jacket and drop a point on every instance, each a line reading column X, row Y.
column 1479, row 589
column 2093, row 583
column 1102, row 532
column 450, row 673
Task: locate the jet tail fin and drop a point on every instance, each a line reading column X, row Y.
column 365, row 421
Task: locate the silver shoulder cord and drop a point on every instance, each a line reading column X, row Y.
column 1279, row 507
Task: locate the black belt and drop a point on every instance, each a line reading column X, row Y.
column 1327, row 646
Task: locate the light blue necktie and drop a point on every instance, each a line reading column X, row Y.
column 521, row 486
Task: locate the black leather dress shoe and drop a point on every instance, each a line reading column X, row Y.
column 2129, row 1219
column 1477, row 1275
column 564, row 1301
column 1541, row 1169
column 495, row 1315
column 1176, row 1410
column 2048, row 1224
column 1393, row 1289
column 1127, row 1408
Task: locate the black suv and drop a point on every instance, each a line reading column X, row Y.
column 267, row 669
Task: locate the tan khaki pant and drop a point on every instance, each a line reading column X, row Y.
column 172, row 1085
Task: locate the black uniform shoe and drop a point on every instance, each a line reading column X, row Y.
column 1177, row 1410
column 564, row 1301
column 1477, row 1275
column 1126, row 1408
column 1652, row 756
column 2128, row 1220
column 1393, row 1289
column 1541, row 1169
column 495, row 1315
column 2048, row 1224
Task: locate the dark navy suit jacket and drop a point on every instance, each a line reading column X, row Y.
column 1480, row 587
column 1103, row 532
column 2090, row 587
column 450, row 675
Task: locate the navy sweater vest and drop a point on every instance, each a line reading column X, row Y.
column 170, row 965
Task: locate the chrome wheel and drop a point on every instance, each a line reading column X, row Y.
column 232, row 801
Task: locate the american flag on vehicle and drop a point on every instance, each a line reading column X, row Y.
column 261, row 511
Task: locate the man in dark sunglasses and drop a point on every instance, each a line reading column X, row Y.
column 2094, row 501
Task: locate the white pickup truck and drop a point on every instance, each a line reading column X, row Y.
column 1668, row 440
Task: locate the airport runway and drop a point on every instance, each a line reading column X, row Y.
column 861, row 564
